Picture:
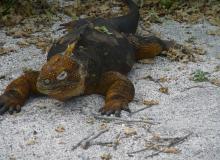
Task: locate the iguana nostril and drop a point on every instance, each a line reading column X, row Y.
column 46, row 81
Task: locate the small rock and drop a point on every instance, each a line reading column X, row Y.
column 35, row 132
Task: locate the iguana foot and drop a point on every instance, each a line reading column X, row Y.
column 118, row 91
column 10, row 102
column 17, row 92
column 114, row 107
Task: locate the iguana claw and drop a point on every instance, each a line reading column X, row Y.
column 114, row 108
column 10, row 102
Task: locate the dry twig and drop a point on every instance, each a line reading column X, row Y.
column 116, row 141
column 88, row 143
column 161, row 148
column 157, row 81
column 121, row 119
column 197, row 86
column 101, row 143
column 174, row 142
column 79, row 143
column 139, row 110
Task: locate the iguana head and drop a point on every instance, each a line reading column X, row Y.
column 62, row 77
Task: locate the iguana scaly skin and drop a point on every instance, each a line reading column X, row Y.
column 93, row 57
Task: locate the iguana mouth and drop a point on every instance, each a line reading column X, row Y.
column 54, row 89
column 62, row 91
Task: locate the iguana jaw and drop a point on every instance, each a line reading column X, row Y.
column 73, row 84
column 65, row 92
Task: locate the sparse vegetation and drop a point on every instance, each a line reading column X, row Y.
column 167, row 3
column 200, row 76
column 13, row 11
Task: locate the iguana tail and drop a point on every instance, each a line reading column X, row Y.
column 127, row 23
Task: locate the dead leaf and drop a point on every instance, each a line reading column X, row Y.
column 171, row 150
column 164, row 90
column 90, row 120
column 185, row 53
column 151, row 102
column 60, row 129
column 106, row 156
column 146, row 61
column 23, row 43
column 156, row 137
column 20, row 34
column 104, row 8
column 214, row 32
column 6, row 50
column 163, row 79
column 10, row 20
column 32, row 141
column 214, row 21
column 216, row 82
column 42, row 45
column 130, row 131
column 103, row 126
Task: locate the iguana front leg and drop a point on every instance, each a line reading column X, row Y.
column 119, row 91
column 18, row 91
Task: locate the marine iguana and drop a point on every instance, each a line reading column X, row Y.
column 92, row 58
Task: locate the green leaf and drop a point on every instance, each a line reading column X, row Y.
column 103, row 29
column 200, row 76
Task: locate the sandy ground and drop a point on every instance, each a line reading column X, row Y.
column 33, row 134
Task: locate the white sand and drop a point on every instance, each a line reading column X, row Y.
column 196, row 110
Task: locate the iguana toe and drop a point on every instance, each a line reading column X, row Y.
column 114, row 107
column 10, row 103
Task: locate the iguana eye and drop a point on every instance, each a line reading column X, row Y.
column 62, row 75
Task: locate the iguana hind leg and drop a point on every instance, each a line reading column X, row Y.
column 18, row 91
column 149, row 47
column 118, row 91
